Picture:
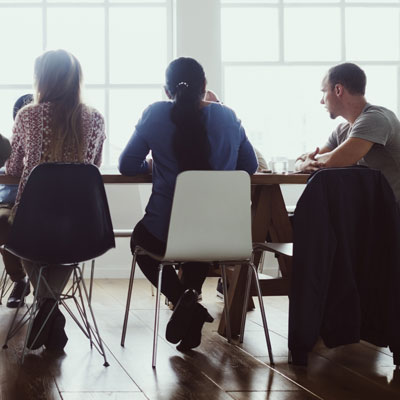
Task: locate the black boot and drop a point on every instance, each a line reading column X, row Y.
column 180, row 320
column 57, row 338
column 17, row 295
column 40, row 330
column 192, row 338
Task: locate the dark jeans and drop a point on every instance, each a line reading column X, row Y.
column 193, row 273
column 12, row 263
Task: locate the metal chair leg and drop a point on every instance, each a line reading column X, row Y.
column 5, row 284
column 128, row 299
column 15, row 327
column 226, row 304
column 245, row 303
column 32, row 313
column 157, row 316
column 91, row 281
column 96, row 329
column 262, row 309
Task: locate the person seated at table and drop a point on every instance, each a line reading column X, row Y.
column 262, row 164
column 57, row 127
column 8, row 193
column 185, row 133
column 371, row 135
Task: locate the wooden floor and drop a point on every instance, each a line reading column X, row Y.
column 216, row 370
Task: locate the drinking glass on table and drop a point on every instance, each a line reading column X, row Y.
column 279, row 165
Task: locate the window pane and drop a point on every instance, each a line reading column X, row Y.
column 284, row 116
column 126, row 107
column 312, row 1
column 372, row 1
column 75, row 1
column 382, row 86
column 137, row 1
column 20, row 43
column 249, row 34
column 68, row 29
column 244, row 1
column 94, row 98
column 312, row 34
column 372, row 33
column 138, row 45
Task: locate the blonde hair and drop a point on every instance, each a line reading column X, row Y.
column 58, row 78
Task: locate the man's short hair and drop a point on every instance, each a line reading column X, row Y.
column 350, row 75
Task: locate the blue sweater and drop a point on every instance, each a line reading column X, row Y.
column 230, row 150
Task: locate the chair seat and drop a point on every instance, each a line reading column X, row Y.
column 285, row 249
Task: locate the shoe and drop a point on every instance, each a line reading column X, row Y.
column 192, row 338
column 40, row 333
column 57, row 338
column 17, row 295
column 180, row 319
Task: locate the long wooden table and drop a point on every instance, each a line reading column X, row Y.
column 270, row 219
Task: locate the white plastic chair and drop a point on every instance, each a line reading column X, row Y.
column 210, row 222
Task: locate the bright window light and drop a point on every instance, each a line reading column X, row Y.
column 274, row 54
column 138, row 45
column 20, row 28
column 123, row 46
column 285, row 116
column 126, row 107
column 378, row 38
column 67, row 28
column 279, row 101
column 249, row 34
column 311, row 34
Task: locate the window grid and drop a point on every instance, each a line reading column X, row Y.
column 106, row 5
column 282, row 5
column 300, row 132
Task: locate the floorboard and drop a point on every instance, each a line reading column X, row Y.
column 215, row 370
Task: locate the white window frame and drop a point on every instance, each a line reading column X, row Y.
column 281, row 5
column 45, row 5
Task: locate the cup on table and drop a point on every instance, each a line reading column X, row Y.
column 279, row 165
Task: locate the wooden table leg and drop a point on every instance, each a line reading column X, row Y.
column 262, row 217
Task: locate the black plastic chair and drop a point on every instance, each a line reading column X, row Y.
column 62, row 219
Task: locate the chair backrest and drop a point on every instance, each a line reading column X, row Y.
column 211, row 217
column 63, row 216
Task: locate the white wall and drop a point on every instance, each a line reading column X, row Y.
column 127, row 204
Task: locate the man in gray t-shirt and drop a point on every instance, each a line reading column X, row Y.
column 371, row 135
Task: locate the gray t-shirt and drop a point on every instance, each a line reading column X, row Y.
column 380, row 126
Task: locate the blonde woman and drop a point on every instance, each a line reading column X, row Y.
column 56, row 127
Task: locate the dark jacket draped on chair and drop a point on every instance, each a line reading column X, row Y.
column 346, row 266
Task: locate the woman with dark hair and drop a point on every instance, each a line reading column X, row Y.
column 186, row 133
column 56, row 127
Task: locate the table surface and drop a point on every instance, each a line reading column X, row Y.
column 257, row 179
